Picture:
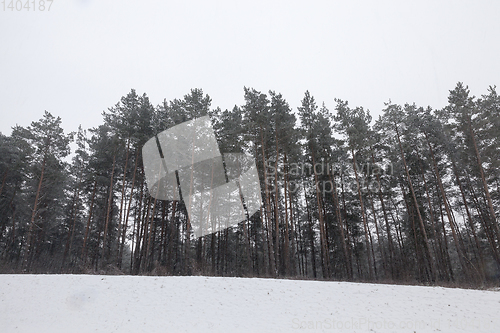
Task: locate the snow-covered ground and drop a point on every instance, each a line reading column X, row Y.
column 97, row 303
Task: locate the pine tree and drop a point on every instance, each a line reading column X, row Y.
column 49, row 146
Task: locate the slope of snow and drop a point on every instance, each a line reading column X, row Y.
column 97, row 303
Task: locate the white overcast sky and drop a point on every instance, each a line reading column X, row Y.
column 83, row 56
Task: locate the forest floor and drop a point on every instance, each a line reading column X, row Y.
column 101, row 303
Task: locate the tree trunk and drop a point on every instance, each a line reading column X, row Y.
column 272, row 262
column 124, row 230
column 71, row 230
column 387, row 227
column 448, row 210
column 287, row 233
column 365, row 223
column 483, row 178
column 322, row 232
column 29, row 248
column 110, row 202
column 276, row 212
column 426, row 240
column 379, row 240
column 347, row 258
column 87, row 229
column 311, row 235
column 120, row 218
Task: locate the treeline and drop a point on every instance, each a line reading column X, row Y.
column 413, row 196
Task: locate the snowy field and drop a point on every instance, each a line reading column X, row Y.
column 97, row 303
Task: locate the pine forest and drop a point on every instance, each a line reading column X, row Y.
column 410, row 197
